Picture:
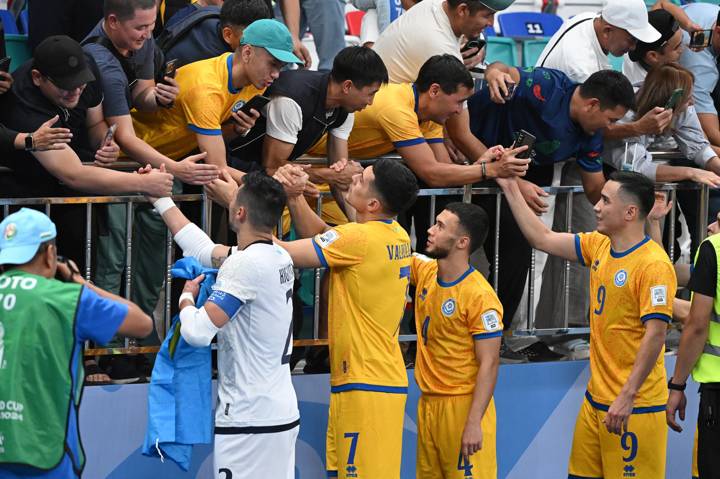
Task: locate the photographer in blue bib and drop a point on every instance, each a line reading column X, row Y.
column 43, row 323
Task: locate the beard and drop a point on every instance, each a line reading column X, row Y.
column 437, row 252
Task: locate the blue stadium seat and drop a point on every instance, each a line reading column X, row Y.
column 528, row 24
column 8, row 21
column 18, row 49
column 489, row 32
column 24, row 22
column 501, row 49
column 531, row 50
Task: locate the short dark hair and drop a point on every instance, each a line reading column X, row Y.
column 473, row 220
column 611, row 88
column 445, row 70
column 360, row 65
column 125, row 9
column 396, row 185
column 638, row 188
column 264, row 198
column 473, row 5
column 241, row 13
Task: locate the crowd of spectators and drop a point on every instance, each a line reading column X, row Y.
column 408, row 90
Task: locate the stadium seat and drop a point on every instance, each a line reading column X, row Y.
column 18, row 49
column 8, row 21
column 24, row 22
column 528, row 24
column 531, row 50
column 489, row 32
column 354, row 21
column 616, row 62
column 501, row 49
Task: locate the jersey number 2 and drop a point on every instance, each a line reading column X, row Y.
column 288, row 342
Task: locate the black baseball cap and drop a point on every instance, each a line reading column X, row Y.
column 666, row 24
column 62, row 60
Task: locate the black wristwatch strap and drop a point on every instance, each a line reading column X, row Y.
column 676, row 387
column 29, row 142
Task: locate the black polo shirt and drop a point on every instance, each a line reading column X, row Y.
column 24, row 108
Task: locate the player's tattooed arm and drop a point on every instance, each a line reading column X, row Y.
column 219, row 255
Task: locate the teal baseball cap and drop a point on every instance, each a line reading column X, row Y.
column 22, row 233
column 497, row 5
column 273, row 36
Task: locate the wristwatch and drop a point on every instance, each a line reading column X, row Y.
column 676, row 387
column 29, row 143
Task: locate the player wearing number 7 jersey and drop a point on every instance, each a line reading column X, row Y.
column 250, row 311
column 620, row 430
column 369, row 262
column 460, row 318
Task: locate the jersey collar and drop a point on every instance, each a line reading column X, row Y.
column 621, row 254
column 443, row 284
column 232, row 90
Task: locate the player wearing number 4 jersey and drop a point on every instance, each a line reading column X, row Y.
column 250, row 311
column 620, row 431
column 369, row 265
column 460, row 318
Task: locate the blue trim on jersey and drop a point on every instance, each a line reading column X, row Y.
column 204, row 131
column 417, row 96
column 660, row 316
column 636, row 410
column 435, row 140
column 320, row 254
column 227, row 302
column 369, row 387
column 494, row 334
column 443, row 284
column 573, row 476
column 578, row 250
column 387, row 222
column 615, row 254
column 332, row 474
column 413, row 142
column 229, row 68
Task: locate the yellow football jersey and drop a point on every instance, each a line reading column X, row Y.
column 204, row 103
column 626, row 289
column 390, row 122
column 369, row 277
column 450, row 317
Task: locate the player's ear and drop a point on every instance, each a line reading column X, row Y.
column 463, row 242
column 374, row 205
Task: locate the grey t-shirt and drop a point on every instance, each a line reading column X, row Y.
column 115, row 84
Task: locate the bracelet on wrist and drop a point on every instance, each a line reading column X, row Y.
column 483, row 169
column 676, row 387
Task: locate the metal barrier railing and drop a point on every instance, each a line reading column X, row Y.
column 467, row 193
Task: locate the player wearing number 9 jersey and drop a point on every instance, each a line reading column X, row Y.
column 369, row 262
column 620, row 431
column 250, row 311
column 460, row 319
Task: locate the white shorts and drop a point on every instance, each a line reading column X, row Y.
column 256, row 455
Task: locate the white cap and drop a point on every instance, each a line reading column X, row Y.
column 630, row 15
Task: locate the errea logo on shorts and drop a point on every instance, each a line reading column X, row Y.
column 327, row 238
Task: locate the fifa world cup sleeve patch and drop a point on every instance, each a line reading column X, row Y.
column 658, row 295
column 326, row 239
column 491, row 321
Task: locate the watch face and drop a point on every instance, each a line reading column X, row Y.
column 28, row 142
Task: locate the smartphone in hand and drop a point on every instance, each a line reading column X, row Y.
column 169, row 69
column 5, row 64
column 524, row 138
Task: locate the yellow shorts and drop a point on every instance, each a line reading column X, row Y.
column 441, row 422
column 638, row 453
column 364, row 437
column 695, row 473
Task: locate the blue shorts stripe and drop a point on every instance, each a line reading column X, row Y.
column 636, row 410
column 369, row 387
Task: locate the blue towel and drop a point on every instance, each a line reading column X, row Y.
column 180, row 394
